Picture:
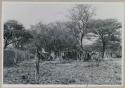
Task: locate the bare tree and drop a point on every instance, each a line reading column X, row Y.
column 80, row 16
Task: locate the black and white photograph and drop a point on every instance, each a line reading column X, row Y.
column 63, row 43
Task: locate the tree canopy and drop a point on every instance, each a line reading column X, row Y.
column 15, row 33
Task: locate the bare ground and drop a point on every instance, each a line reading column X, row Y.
column 76, row 72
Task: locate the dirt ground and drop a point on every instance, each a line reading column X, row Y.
column 76, row 72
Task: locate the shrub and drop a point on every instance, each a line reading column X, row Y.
column 14, row 56
column 9, row 58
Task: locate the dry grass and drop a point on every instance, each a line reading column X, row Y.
column 109, row 72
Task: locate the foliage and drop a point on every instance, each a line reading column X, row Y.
column 53, row 37
column 108, row 33
column 15, row 33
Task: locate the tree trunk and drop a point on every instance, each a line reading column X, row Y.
column 37, row 67
column 5, row 44
column 103, row 49
column 37, row 57
column 81, row 45
column 81, row 40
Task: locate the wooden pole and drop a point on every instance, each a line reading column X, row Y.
column 37, row 67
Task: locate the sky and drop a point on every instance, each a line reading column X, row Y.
column 31, row 13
